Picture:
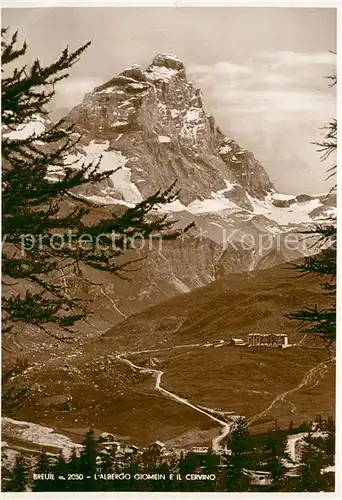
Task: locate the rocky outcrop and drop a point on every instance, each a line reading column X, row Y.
column 155, row 118
column 150, row 126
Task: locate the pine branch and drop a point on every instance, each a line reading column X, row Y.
column 41, row 171
column 322, row 323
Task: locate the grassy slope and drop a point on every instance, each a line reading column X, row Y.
column 107, row 394
column 230, row 307
column 246, row 380
column 101, row 392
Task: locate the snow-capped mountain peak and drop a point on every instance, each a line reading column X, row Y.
column 153, row 125
column 156, row 119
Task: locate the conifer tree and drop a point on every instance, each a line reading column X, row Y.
column 312, row 462
column 330, row 425
column 319, row 422
column 43, row 466
column 34, row 270
column 18, row 477
column 88, row 462
column 328, row 444
column 236, row 479
column 60, row 470
column 73, row 467
column 275, row 449
column 318, row 321
column 240, row 436
column 210, row 466
column 13, row 397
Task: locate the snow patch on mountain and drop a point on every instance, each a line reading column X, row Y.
column 225, row 149
column 105, row 199
column 110, row 160
column 229, row 187
column 192, row 123
column 35, row 126
column 180, row 286
column 208, row 205
column 164, row 138
column 212, row 205
column 193, row 114
column 168, row 57
column 298, row 212
column 160, row 73
column 119, row 123
column 279, row 196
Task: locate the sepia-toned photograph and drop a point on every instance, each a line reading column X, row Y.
column 169, row 185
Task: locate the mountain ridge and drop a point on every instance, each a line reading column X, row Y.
column 152, row 126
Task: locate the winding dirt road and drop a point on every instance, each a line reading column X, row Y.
column 310, row 379
column 225, row 426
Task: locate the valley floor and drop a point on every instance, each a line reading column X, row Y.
column 186, row 395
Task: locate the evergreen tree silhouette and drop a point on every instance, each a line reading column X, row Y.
column 73, row 467
column 312, row 462
column 60, row 470
column 328, row 443
column 87, row 462
column 18, row 476
column 13, row 397
column 317, row 321
column 210, row 467
column 32, row 203
column 43, row 466
column 236, row 478
column 239, row 437
column 275, row 451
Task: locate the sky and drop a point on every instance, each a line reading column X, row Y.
column 261, row 70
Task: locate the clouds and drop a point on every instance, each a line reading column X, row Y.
column 274, row 104
column 290, row 58
column 269, row 71
column 261, row 69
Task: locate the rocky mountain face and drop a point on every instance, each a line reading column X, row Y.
column 152, row 127
column 153, row 123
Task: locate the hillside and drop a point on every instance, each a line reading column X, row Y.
column 96, row 386
column 230, row 307
column 146, row 352
column 151, row 126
